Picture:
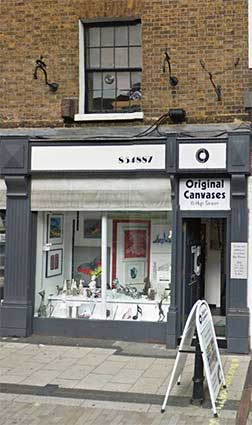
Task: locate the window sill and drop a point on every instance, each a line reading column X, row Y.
column 109, row 117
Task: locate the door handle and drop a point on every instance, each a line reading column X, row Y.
column 195, row 280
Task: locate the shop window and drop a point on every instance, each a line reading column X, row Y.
column 95, row 266
column 110, row 70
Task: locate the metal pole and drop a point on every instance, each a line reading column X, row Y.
column 198, row 376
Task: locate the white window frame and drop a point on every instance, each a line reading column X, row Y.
column 250, row 33
column 82, row 115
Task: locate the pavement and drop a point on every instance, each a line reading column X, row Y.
column 67, row 381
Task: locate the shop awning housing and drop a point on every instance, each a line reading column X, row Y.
column 101, row 194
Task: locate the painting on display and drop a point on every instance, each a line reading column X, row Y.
column 135, row 243
column 54, row 262
column 92, row 229
column 135, row 272
column 161, row 237
column 55, row 229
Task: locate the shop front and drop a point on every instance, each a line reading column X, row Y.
column 119, row 239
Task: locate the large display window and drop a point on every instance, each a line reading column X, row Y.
column 108, row 265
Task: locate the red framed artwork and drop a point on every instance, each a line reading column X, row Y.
column 130, row 245
column 135, row 243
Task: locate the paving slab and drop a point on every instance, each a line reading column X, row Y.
column 111, row 383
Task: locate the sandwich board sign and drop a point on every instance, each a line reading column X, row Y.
column 200, row 318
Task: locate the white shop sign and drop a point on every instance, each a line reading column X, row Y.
column 200, row 318
column 202, row 156
column 99, row 158
column 204, row 194
column 239, row 260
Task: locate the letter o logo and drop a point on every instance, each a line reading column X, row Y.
column 202, row 155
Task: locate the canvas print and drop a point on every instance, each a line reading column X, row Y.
column 92, row 229
column 55, row 229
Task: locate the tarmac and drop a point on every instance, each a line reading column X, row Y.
column 78, row 381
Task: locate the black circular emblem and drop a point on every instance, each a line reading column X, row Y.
column 202, row 155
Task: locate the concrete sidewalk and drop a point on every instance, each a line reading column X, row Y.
column 47, row 381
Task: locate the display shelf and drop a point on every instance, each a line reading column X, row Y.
column 123, row 308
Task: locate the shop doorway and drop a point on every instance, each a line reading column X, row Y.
column 204, row 267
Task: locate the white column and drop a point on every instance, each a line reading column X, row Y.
column 104, row 264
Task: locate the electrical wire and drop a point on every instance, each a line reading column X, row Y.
column 143, row 133
column 155, row 127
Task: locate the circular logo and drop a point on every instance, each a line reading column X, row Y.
column 202, row 155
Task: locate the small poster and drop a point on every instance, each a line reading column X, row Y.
column 239, row 260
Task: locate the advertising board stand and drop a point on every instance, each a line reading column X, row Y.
column 199, row 320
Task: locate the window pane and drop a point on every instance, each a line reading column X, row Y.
column 94, row 58
column 121, row 36
column 107, row 36
column 135, row 92
column 94, row 81
column 135, row 89
column 135, row 57
column 108, row 99
column 123, row 80
column 122, row 101
column 95, row 101
column 136, row 78
column 107, row 57
column 135, row 35
column 121, row 57
column 93, row 37
column 108, row 80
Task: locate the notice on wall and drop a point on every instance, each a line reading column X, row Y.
column 239, row 260
column 204, row 194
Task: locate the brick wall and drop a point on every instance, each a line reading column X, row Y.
column 212, row 30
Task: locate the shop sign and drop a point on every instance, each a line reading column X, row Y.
column 239, row 260
column 204, row 194
column 199, row 319
column 99, row 158
column 202, row 156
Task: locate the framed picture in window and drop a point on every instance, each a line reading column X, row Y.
column 92, row 229
column 54, row 262
column 135, row 243
column 55, row 229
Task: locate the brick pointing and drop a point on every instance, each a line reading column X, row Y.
column 215, row 31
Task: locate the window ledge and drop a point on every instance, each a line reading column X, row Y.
column 109, row 117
